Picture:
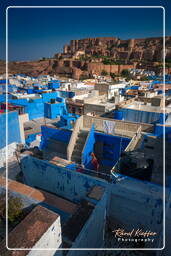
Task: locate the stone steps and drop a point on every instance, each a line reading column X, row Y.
column 79, row 145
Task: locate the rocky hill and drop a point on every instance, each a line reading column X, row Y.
column 149, row 49
column 94, row 55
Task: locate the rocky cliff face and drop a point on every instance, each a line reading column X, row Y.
column 150, row 49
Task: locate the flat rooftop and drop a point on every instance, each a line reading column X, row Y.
column 29, row 231
column 40, row 196
column 34, row 126
column 140, row 106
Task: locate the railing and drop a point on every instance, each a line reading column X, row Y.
column 131, row 146
column 78, row 126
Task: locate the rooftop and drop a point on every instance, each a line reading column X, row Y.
column 29, row 231
column 40, row 196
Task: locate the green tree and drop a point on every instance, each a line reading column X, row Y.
column 15, row 207
column 85, row 67
column 125, row 73
column 84, row 77
column 144, row 78
column 104, row 73
column 112, row 75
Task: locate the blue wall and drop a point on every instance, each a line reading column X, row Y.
column 34, row 107
column 46, row 97
column 55, row 134
column 66, row 183
column 91, row 235
column 54, row 84
column 112, row 147
column 138, row 116
column 35, row 110
column 88, row 148
column 160, row 129
column 138, row 204
column 54, row 110
column 118, row 115
column 31, row 137
column 13, row 128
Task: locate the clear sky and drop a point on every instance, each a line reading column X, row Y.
column 35, row 32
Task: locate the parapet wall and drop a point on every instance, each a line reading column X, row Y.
column 121, row 127
column 131, row 203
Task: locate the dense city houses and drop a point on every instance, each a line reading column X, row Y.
column 85, row 153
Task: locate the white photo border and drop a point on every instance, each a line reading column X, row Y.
column 88, row 249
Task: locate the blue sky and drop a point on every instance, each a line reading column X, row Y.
column 36, row 32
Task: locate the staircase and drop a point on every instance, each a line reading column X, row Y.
column 79, row 145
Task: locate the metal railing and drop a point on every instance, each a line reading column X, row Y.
column 93, row 173
column 131, row 146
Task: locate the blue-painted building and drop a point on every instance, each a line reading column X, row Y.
column 140, row 116
column 13, row 128
column 41, row 106
column 54, row 84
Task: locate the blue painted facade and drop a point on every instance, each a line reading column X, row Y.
column 54, row 110
column 11, row 88
column 34, row 107
column 46, row 97
column 13, row 128
column 54, row 84
column 59, row 180
column 3, row 81
column 159, row 130
column 139, row 116
column 31, row 137
column 88, row 148
column 55, row 134
column 66, row 119
column 112, row 147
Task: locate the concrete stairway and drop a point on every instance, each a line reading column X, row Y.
column 79, row 145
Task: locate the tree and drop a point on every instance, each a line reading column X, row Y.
column 144, row 78
column 112, row 75
column 125, row 73
column 15, row 207
column 85, row 67
column 104, row 73
column 84, row 77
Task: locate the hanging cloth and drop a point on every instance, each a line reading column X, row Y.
column 109, row 127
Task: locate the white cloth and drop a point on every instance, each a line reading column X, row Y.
column 109, row 127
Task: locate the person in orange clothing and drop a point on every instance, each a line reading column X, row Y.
column 95, row 162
